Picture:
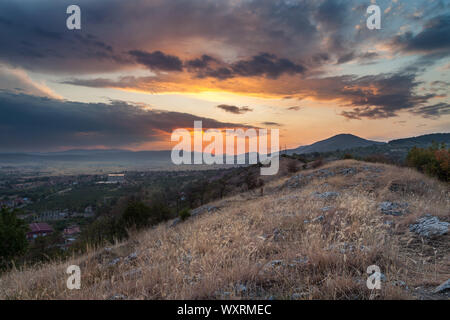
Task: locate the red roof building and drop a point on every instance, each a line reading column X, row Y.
column 39, row 229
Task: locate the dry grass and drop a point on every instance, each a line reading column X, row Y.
column 256, row 247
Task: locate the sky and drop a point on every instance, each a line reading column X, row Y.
column 139, row 69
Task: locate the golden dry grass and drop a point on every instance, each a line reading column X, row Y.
column 259, row 247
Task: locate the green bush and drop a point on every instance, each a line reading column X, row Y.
column 13, row 240
column 184, row 214
column 433, row 161
column 347, row 156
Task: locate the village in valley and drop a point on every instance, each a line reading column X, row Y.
column 43, row 213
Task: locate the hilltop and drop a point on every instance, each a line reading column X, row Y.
column 337, row 142
column 308, row 235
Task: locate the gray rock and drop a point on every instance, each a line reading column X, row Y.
column 348, row 171
column 326, row 195
column 241, row 289
column 133, row 274
column 444, row 287
column 429, row 226
column 131, row 257
column 273, row 264
column 295, row 181
column 212, row 209
column 400, row 283
column 113, row 262
column 326, row 209
column 318, row 219
column 299, row 261
column 117, row 297
column 175, row 222
column 393, row 208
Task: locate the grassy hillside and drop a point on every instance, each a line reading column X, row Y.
column 311, row 235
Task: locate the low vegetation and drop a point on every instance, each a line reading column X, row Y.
column 434, row 161
column 310, row 235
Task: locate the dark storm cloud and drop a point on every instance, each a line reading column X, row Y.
column 263, row 64
column 266, row 64
column 157, row 60
column 433, row 111
column 200, row 63
column 234, row 109
column 34, row 123
column 433, row 38
column 38, row 39
column 374, row 96
column 297, row 32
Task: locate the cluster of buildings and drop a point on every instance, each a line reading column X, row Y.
column 42, row 229
column 15, row 202
column 114, row 178
column 60, row 215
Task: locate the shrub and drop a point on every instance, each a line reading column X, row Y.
column 347, row 156
column 317, row 163
column 377, row 158
column 433, row 161
column 184, row 214
column 292, row 166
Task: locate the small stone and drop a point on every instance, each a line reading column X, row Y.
column 393, row 208
column 240, row 289
column 133, row 274
column 174, row 222
column 326, row 195
column 444, row 287
column 113, row 262
column 131, row 257
column 318, row 219
column 299, row 295
column 399, row 283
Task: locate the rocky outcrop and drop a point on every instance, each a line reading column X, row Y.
column 444, row 287
column 429, row 226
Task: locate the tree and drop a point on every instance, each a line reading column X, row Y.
column 136, row 214
column 13, row 240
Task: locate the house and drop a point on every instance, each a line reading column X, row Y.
column 70, row 231
column 39, row 229
column 116, row 178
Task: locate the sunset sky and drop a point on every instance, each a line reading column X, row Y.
column 139, row 69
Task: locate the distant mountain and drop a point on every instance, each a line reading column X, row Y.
column 421, row 141
column 338, row 142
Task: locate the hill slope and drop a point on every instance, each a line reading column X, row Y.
column 340, row 141
column 310, row 236
column 421, row 141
